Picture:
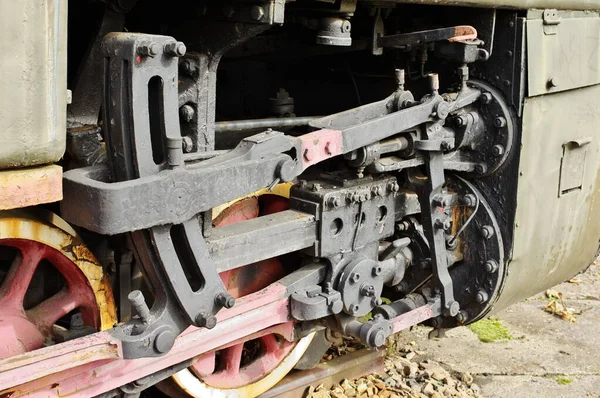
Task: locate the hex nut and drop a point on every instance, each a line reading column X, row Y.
column 175, row 49
column 149, row 49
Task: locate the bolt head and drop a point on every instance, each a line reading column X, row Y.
column 481, row 296
column 187, row 144
column 500, row 121
column 175, row 49
column 149, row 49
column 225, row 299
column 453, row 308
column 206, row 320
column 491, row 266
column 462, row 316
column 487, row 231
column 334, row 201
column 481, row 168
column 377, row 270
column 485, row 98
column 498, row 150
column 354, row 277
column 553, row 82
column 186, row 112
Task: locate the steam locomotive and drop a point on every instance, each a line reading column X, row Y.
column 203, row 195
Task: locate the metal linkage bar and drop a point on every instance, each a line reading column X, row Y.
column 455, row 33
column 100, row 365
column 260, row 238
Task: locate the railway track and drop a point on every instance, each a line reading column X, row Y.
column 349, row 366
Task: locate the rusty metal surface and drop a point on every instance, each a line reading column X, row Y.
column 562, row 50
column 518, row 4
column 30, row 187
column 33, row 44
column 349, row 366
column 556, row 233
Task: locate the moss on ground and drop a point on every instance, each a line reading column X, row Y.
column 563, row 381
column 490, row 330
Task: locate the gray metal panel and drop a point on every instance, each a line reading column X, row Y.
column 565, row 55
column 520, row 4
column 555, row 237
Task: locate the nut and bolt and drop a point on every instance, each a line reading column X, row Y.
column 186, row 112
column 498, row 150
column 452, row 308
column 481, row 168
column 469, row 200
column 334, row 201
column 460, row 121
column 175, row 49
column 354, row 277
column 257, row 13
column 500, row 121
column 148, row 49
column 353, row 309
column 491, row 266
column 316, row 187
column 445, row 146
column 485, row 98
column 481, row 296
column 367, row 290
column 225, row 299
column 136, row 298
column 206, row 320
column 377, row 270
column 376, row 191
column 393, row 186
column 487, row 231
column 462, row 316
column 187, row 144
column 376, row 301
column 443, row 224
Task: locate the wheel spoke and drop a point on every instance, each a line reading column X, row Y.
column 204, row 365
column 20, row 273
column 45, row 314
column 231, row 358
column 269, row 343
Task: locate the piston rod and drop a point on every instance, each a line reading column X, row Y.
column 274, row 122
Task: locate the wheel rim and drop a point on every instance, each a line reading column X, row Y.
column 252, row 365
column 30, row 249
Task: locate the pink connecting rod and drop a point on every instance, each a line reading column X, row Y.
column 92, row 365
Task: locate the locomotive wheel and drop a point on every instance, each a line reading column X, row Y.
column 47, row 273
column 252, row 365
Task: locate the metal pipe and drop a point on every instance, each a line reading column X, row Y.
column 274, row 122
